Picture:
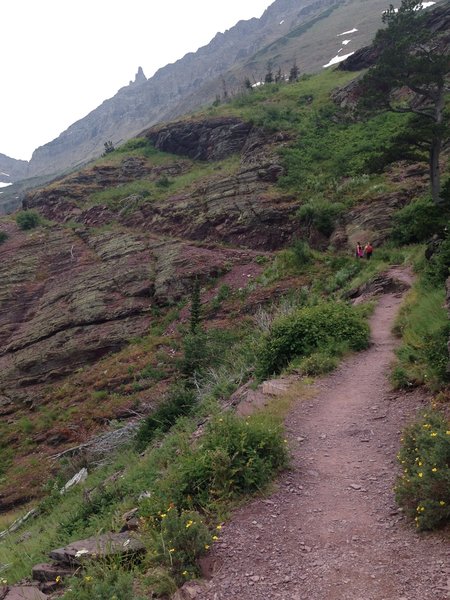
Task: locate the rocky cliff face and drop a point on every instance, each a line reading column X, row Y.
column 11, row 169
column 72, row 294
column 76, row 291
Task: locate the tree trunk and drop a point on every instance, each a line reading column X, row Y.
column 435, row 173
column 436, row 147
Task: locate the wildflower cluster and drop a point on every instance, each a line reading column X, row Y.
column 423, row 489
column 177, row 538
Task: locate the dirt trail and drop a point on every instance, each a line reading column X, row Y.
column 332, row 530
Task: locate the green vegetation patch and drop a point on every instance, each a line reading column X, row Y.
column 419, row 221
column 424, row 487
column 234, row 457
column 425, row 329
column 28, row 219
column 316, row 327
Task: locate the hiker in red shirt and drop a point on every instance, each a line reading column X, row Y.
column 368, row 250
column 359, row 251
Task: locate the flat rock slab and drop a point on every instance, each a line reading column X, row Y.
column 22, row 593
column 275, row 387
column 100, row 547
column 49, row 572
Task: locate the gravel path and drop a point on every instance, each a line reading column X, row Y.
column 331, row 530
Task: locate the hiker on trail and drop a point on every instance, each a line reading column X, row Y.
column 368, row 250
column 359, row 251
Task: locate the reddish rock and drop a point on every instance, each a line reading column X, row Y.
column 50, row 571
column 100, row 547
column 23, row 593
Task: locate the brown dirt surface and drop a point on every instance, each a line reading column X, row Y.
column 331, row 530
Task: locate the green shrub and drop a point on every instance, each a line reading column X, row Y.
column 318, row 363
column 438, row 267
column 151, row 372
column 102, row 582
column 179, row 402
column 177, row 539
column 163, row 182
column 418, row 222
column 196, row 355
column 234, row 457
column 302, row 253
column 436, row 354
column 400, row 378
column 99, row 503
column 28, row 219
column 321, row 215
column 134, row 144
column 3, row 236
column 310, row 329
column 424, row 327
column 424, row 487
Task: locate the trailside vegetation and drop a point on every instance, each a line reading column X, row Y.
column 423, row 489
column 327, row 326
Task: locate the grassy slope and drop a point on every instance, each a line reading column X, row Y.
column 324, row 274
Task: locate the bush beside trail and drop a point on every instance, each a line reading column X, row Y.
column 325, row 326
column 424, row 487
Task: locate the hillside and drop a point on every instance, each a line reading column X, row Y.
column 171, row 280
column 306, row 32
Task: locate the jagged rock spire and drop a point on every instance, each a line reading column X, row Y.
column 140, row 77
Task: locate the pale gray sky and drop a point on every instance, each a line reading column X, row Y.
column 60, row 59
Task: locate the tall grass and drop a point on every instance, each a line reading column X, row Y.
column 424, row 328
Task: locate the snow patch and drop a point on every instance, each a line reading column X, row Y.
column 354, row 30
column 5, row 174
column 281, row 22
column 423, row 5
column 345, row 42
column 3, row 184
column 258, row 83
column 337, row 59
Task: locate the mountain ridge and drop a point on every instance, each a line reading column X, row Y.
column 306, row 32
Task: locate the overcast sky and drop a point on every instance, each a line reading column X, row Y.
column 60, row 59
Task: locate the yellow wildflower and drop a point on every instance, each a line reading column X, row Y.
column 172, row 550
column 88, row 578
column 434, row 469
column 433, row 434
column 420, row 474
column 185, row 573
column 215, row 538
column 206, row 546
column 219, row 527
column 163, row 516
column 442, row 503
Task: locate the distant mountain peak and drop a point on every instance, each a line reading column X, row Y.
column 139, row 77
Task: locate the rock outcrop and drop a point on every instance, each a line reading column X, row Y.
column 12, row 169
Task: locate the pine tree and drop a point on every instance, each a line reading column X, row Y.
column 269, row 75
column 412, row 60
column 293, row 73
